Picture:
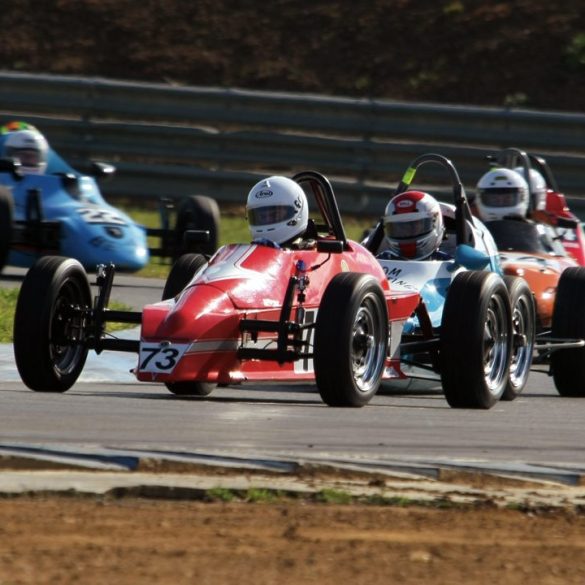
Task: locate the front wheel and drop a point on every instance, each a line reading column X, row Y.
column 568, row 322
column 351, row 338
column 475, row 344
column 523, row 330
column 48, row 324
column 181, row 273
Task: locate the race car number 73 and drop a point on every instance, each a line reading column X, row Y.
column 160, row 358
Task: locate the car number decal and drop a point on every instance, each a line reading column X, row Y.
column 92, row 215
column 160, row 358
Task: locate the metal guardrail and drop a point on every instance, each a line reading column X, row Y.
column 173, row 141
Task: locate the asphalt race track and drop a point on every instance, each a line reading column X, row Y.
column 539, row 435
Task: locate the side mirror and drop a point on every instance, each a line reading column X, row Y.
column 102, row 171
column 194, row 237
column 567, row 222
column 330, row 246
column 471, row 258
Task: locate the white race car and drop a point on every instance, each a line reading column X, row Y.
column 474, row 327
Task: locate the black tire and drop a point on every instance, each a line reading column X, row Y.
column 197, row 212
column 475, row 343
column 523, row 332
column 46, row 354
column 191, row 388
column 568, row 365
column 181, row 273
column 6, row 218
column 351, row 340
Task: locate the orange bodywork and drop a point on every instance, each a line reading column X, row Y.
column 542, row 273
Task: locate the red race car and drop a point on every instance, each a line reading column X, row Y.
column 320, row 309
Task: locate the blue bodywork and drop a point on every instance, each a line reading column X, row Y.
column 91, row 230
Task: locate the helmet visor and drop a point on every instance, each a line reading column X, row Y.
column 28, row 157
column 271, row 214
column 500, row 197
column 398, row 230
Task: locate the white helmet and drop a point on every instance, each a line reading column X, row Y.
column 277, row 209
column 30, row 147
column 501, row 193
column 537, row 187
column 414, row 225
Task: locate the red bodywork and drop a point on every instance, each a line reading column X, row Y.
column 201, row 327
column 573, row 239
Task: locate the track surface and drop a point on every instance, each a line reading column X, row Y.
column 107, row 408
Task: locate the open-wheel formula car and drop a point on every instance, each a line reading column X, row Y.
column 537, row 251
column 474, row 329
column 62, row 212
column 321, row 310
column 554, row 210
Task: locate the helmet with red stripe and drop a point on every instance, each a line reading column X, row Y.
column 414, row 225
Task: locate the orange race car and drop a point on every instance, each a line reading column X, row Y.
column 516, row 204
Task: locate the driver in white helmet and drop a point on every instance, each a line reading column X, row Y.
column 502, row 193
column 277, row 212
column 537, row 189
column 30, row 147
column 414, row 228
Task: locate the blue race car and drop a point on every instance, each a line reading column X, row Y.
column 474, row 328
column 61, row 211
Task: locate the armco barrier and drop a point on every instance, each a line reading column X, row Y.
column 172, row 141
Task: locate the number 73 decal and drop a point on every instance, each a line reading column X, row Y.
column 161, row 358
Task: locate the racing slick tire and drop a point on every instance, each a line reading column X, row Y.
column 6, row 218
column 568, row 322
column 46, row 353
column 523, row 332
column 197, row 212
column 476, row 340
column 181, row 273
column 351, row 340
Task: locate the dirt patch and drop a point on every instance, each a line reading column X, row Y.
column 96, row 541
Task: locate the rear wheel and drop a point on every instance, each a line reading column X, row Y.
column 475, row 340
column 568, row 365
column 47, row 324
column 351, row 338
column 197, row 212
column 181, row 273
column 6, row 217
column 523, row 330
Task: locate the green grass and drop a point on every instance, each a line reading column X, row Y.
column 8, row 297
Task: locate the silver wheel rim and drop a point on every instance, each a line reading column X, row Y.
column 367, row 347
column 65, row 356
column 495, row 344
column 521, row 355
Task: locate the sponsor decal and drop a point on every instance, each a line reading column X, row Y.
column 404, row 203
column 96, row 215
column 263, row 194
